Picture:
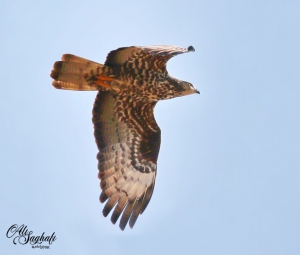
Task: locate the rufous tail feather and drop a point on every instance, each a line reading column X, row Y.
column 73, row 73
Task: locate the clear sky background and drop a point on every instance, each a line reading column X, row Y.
column 228, row 171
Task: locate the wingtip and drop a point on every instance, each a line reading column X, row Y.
column 190, row 48
column 122, row 227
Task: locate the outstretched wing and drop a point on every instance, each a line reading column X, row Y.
column 128, row 140
column 152, row 57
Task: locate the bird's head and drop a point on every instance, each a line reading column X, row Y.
column 185, row 88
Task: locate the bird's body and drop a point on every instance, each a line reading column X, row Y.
column 130, row 83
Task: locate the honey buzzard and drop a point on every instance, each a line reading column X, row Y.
column 130, row 83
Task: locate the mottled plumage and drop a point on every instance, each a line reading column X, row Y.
column 130, row 83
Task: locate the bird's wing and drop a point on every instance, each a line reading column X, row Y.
column 150, row 57
column 128, row 140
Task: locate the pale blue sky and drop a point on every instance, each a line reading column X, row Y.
column 228, row 170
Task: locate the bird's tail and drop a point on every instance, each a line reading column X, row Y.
column 73, row 73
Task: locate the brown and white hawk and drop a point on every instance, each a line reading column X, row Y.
column 130, row 83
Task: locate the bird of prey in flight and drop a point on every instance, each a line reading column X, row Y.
column 129, row 84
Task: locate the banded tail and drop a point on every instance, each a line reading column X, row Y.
column 72, row 73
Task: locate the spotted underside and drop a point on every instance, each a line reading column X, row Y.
column 130, row 83
column 128, row 140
